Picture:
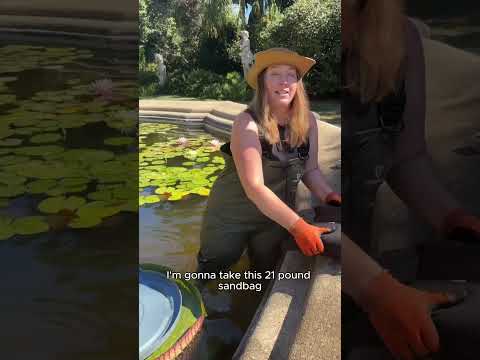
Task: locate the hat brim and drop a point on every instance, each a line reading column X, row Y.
column 268, row 58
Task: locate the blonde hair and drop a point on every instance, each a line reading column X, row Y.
column 374, row 66
column 299, row 122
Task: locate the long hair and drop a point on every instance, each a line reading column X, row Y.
column 375, row 62
column 299, row 122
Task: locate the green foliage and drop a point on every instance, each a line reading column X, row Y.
column 221, row 53
column 312, row 28
column 208, row 85
column 204, row 35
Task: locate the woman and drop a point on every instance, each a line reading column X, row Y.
column 273, row 145
column 383, row 138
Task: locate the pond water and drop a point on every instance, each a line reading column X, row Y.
column 177, row 168
column 68, row 201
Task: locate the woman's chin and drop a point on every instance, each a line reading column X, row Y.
column 283, row 101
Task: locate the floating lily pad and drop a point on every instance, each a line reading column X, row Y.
column 45, row 138
column 5, row 132
column 201, row 191
column 104, row 195
column 30, row 225
column 10, row 142
column 149, row 199
column 88, row 155
column 119, row 141
column 11, row 190
column 40, row 186
column 25, row 122
column 100, row 209
column 7, row 99
column 11, row 179
column 6, row 228
column 42, row 150
column 54, row 205
column 85, row 221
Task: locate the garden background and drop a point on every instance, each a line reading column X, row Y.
column 200, row 43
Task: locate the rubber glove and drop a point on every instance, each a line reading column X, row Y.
column 401, row 316
column 333, row 199
column 307, row 237
column 463, row 227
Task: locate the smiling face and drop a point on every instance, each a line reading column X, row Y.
column 281, row 84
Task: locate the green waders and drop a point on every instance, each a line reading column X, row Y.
column 232, row 222
column 369, row 134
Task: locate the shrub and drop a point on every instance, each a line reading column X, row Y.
column 205, row 84
column 312, row 28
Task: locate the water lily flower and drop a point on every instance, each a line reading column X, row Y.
column 215, row 143
column 182, row 141
column 103, row 88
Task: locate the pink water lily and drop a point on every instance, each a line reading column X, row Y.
column 182, row 141
column 103, row 88
column 215, row 143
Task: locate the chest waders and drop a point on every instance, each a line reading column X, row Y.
column 369, row 133
column 232, row 222
column 368, row 139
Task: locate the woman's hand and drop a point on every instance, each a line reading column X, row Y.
column 401, row 316
column 307, row 237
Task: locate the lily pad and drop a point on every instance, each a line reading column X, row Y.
column 30, row 225
column 11, row 179
column 6, row 228
column 99, row 209
column 149, row 199
column 11, row 190
column 54, row 205
column 85, row 221
column 119, row 141
column 40, row 186
column 5, row 132
column 10, row 142
column 45, row 138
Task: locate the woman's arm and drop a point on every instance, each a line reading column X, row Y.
column 412, row 178
column 358, row 269
column 246, row 151
column 313, row 177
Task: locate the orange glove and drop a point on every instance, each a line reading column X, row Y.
column 462, row 227
column 401, row 316
column 333, row 199
column 307, row 237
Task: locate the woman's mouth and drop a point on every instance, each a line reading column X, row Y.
column 282, row 93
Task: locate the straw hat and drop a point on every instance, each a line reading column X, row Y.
column 277, row 56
